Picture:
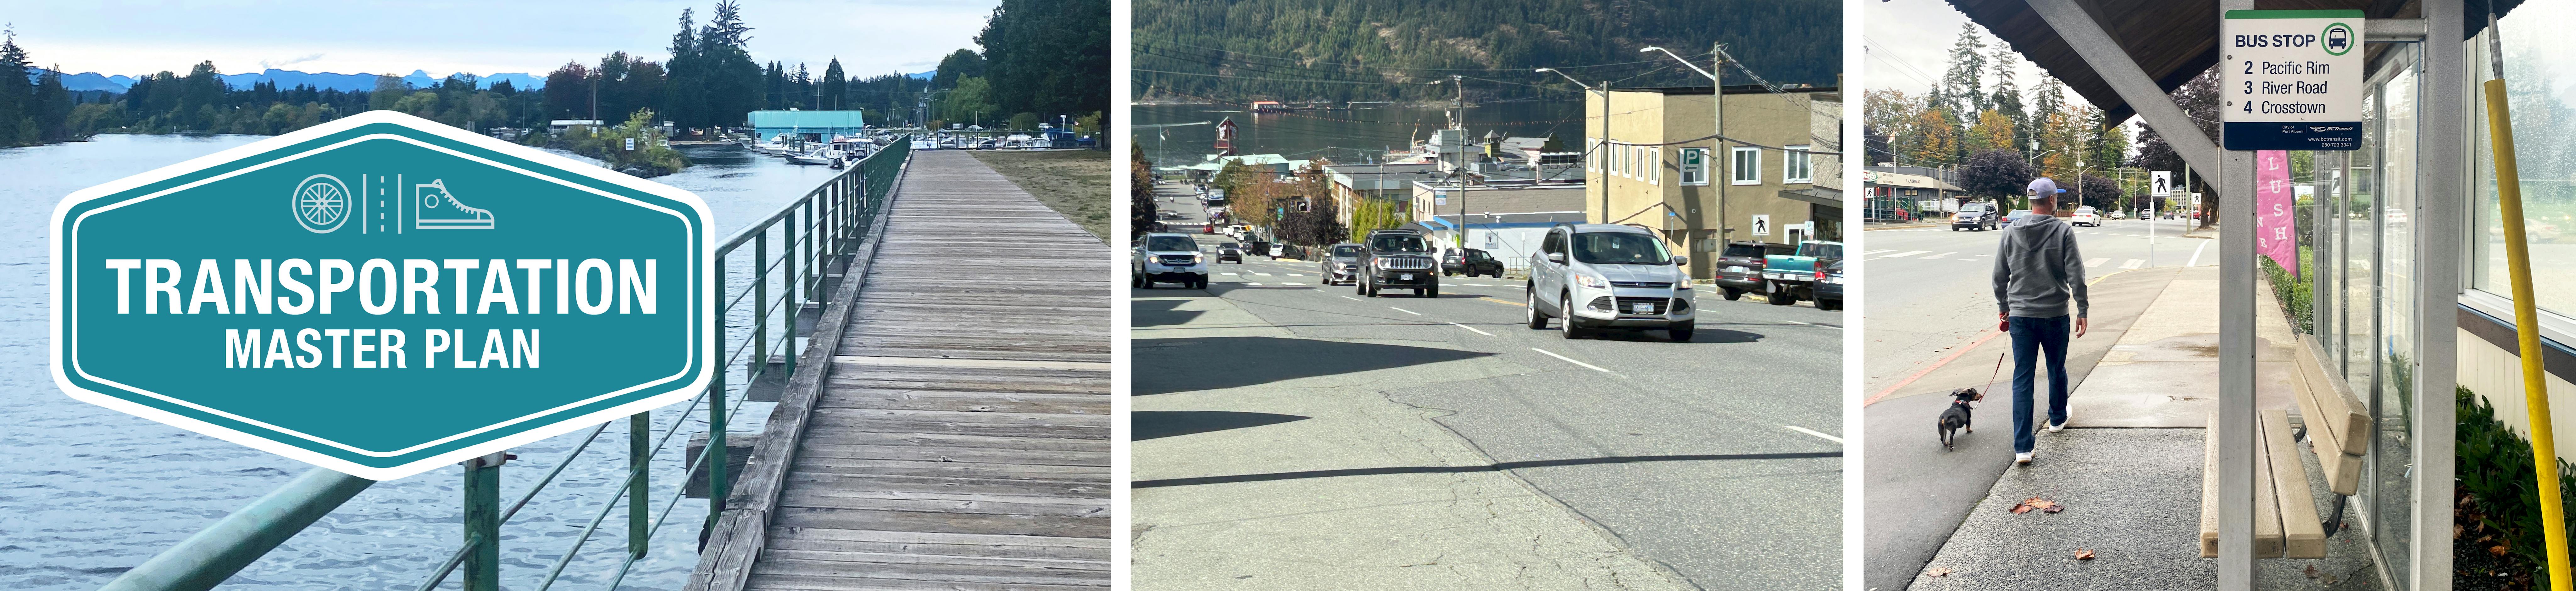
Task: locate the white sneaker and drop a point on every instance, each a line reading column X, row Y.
column 2022, row 458
column 2056, row 427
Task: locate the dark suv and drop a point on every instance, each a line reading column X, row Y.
column 1739, row 267
column 1398, row 259
column 1472, row 261
column 1975, row 217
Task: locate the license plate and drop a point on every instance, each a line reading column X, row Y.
column 1736, row 269
column 1404, row 277
column 1642, row 308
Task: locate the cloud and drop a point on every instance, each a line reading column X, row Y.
column 270, row 65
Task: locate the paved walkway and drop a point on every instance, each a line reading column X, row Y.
column 2129, row 469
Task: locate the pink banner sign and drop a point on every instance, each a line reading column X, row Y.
column 2275, row 230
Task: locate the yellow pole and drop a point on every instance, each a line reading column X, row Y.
column 2526, row 328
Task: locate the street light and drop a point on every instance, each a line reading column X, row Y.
column 1605, row 136
column 1457, row 175
column 1717, row 125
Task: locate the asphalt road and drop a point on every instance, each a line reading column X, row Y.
column 1930, row 290
column 1356, row 441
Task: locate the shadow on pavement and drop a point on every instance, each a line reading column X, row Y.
column 1146, row 313
column 1498, row 467
column 1147, row 424
column 1214, row 363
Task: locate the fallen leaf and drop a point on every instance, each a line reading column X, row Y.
column 1938, row 571
column 2036, row 503
column 2055, row 508
column 2083, row 554
column 2456, row 530
column 2312, row 571
column 2497, row 550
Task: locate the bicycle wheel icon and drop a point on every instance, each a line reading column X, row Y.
column 321, row 203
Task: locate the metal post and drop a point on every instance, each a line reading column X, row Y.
column 715, row 433
column 2235, row 428
column 483, row 522
column 639, row 451
column 1717, row 114
column 792, row 302
column 2441, row 210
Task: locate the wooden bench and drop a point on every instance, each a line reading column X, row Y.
column 2285, row 512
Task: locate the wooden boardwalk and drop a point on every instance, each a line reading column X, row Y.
column 960, row 439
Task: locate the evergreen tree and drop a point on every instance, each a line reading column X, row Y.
column 1962, row 84
column 2007, row 96
column 836, row 87
column 684, row 94
column 52, row 108
column 17, row 122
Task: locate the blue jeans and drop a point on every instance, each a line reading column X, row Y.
column 2030, row 338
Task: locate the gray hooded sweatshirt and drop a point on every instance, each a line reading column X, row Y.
column 2037, row 268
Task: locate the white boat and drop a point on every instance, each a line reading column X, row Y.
column 824, row 156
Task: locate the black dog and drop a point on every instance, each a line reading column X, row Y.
column 1956, row 417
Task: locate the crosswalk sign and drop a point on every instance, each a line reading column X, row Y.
column 2163, row 183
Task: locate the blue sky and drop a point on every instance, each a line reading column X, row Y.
column 482, row 37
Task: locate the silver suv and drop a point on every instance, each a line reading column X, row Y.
column 1594, row 276
column 1167, row 257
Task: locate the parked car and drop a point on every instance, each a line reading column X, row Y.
column 2120, row 215
column 1472, row 261
column 1829, row 286
column 1597, row 276
column 1794, row 276
column 2009, row 218
column 1341, row 262
column 1739, row 267
column 1975, row 217
column 1229, row 252
column 1167, row 257
column 2085, row 216
column 1398, row 259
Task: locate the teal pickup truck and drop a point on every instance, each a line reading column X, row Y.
column 1793, row 276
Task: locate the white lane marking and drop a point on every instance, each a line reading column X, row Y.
column 1261, row 274
column 1813, row 432
column 1475, row 285
column 1296, row 274
column 1253, row 283
column 1905, row 254
column 1471, row 328
column 2134, row 263
column 1290, row 283
column 2195, row 253
column 1797, row 323
column 1872, row 252
column 1232, row 273
column 2095, row 262
column 1570, row 360
column 1930, row 257
column 1351, row 298
column 1404, row 310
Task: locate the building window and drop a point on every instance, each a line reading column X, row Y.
column 1591, row 154
column 1748, row 166
column 1796, row 165
column 1694, row 166
column 1655, row 166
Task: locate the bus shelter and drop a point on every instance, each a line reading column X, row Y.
column 2397, row 238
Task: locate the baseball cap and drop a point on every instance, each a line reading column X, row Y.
column 2043, row 188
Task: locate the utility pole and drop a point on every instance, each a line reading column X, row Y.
column 1717, row 114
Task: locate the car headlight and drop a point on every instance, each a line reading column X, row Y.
column 1590, row 281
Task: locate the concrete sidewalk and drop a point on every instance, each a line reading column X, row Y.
column 2129, row 471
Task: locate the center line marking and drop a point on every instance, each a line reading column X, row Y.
column 1471, row 328
column 1570, row 360
column 1813, row 432
column 1404, row 310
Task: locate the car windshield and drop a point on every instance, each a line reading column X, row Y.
column 1973, row 208
column 1346, row 250
column 1396, row 243
column 1620, row 248
column 1822, row 250
column 1170, row 243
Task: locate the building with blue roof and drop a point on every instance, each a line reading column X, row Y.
column 814, row 126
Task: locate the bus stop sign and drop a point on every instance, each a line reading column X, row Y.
column 381, row 295
column 2291, row 79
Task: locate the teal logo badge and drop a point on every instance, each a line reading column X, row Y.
column 389, row 323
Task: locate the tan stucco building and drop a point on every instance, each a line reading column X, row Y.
column 1653, row 164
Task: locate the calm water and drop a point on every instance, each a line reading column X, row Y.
column 1355, row 135
column 90, row 492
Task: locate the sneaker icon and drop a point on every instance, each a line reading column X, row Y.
column 436, row 209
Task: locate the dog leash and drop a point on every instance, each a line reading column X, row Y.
column 1990, row 377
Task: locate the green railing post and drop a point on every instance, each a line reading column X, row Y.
column 215, row 553
column 759, row 304
column 792, row 302
column 483, row 522
column 639, row 514
column 715, row 392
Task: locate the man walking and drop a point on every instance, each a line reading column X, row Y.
column 2037, row 270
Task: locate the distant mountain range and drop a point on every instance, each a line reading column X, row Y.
column 292, row 78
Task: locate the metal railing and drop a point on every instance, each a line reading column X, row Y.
column 757, row 317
